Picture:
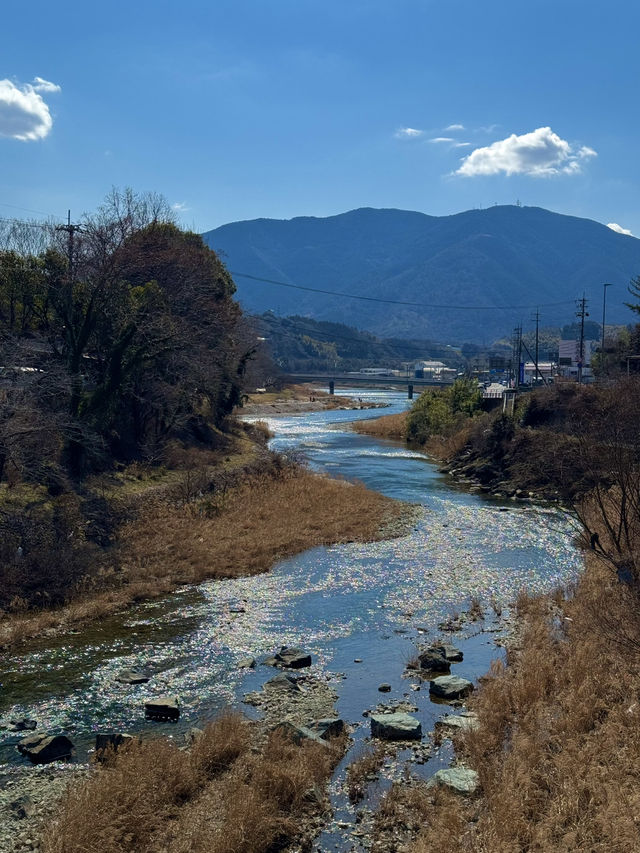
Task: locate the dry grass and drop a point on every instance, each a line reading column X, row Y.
column 476, row 610
column 362, row 770
column 405, row 808
column 225, row 795
column 387, row 426
column 558, row 749
column 256, row 525
column 233, row 531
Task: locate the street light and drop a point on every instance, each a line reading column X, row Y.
column 604, row 307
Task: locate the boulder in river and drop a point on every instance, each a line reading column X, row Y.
column 247, row 663
column 292, row 657
column 458, row 722
column 461, row 780
column 450, row 652
column 283, row 682
column 384, row 688
column 30, row 741
column 132, row 676
column 111, row 740
column 433, row 660
column 299, row 734
column 22, row 724
column 163, row 708
column 397, row 726
column 450, row 687
column 42, row 748
column 328, row 727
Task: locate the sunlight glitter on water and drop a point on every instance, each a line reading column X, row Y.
column 338, row 602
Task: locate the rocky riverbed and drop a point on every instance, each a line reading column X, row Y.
column 362, row 611
column 299, row 697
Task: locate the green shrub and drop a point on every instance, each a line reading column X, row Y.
column 443, row 411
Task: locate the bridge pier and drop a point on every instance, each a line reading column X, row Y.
column 332, row 386
column 410, row 392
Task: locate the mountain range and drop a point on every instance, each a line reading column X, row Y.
column 471, row 276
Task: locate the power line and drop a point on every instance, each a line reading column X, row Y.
column 396, row 301
column 28, row 210
column 45, row 225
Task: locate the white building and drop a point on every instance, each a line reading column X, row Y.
column 546, row 369
column 569, row 358
column 436, row 370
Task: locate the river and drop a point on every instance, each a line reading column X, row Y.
column 368, row 601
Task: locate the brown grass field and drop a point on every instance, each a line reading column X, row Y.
column 186, row 538
column 386, row 426
column 231, row 792
column 257, row 524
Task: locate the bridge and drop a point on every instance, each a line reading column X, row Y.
column 353, row 380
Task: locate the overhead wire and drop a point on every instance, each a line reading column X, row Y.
column 457, row 307
column 28, row 210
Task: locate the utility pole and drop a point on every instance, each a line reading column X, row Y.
column 516, row 343
column 536, row 317
column 581, row 313
column 604, row 307
column 71, row 229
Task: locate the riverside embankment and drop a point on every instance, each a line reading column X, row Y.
column 369, row 602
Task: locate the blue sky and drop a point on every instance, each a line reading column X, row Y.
column 281, row 108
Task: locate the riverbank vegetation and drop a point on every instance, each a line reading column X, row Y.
column 123, row 472
column 557, row 750
column 438, row 416
column 233, row 791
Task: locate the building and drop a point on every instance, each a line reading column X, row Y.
column 546, row 370
column 569, row 358
column 435, row 370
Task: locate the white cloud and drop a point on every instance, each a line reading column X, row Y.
column 408, row 133
column 442, row 139
column 455, row 127
column 23, row 113
column 41, row 85
column 462, row 145
column 180, row 206
column 615, row 227
column 540, row 153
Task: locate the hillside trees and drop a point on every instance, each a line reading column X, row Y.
column 132, row 324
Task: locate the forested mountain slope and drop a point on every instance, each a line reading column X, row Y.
column 501, row 256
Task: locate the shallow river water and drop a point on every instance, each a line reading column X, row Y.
column 340, row 603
